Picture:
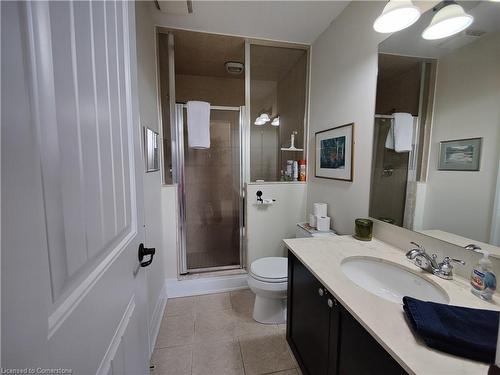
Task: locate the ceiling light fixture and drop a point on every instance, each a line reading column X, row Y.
column 259, row 121
column 276, row 121
column 397, row 15
column 449, row 20
column 265, row 117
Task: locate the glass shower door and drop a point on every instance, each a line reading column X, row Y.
column 212, row 195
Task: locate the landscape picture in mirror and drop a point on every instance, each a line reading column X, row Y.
column 436, row 141
column 460, row 155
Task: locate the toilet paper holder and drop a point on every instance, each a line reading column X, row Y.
column 263, row 201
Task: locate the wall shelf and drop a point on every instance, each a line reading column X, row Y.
column 291, row 149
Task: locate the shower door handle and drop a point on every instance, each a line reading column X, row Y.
column 144, row 251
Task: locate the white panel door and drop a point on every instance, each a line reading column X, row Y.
column 73, row 294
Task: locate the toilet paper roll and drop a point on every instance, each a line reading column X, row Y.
column 323, row 223
column 320, row 209
column 312, row 220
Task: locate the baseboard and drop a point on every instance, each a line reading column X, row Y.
column 156, row 318
column 194, row 287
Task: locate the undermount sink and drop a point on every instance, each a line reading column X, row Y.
column 391, row 281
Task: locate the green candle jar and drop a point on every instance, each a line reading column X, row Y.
column 363, row 229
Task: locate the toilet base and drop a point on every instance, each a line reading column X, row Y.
column 269, row 310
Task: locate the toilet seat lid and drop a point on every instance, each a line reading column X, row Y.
column 274, row 269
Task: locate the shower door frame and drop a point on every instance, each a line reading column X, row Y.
column 178, row 169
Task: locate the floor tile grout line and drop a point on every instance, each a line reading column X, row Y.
column 241, row 355
column 192, row 359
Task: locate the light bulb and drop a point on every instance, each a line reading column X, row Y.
column 259, row 121
column 448, row 21
column 265, row 117
column 397, row 15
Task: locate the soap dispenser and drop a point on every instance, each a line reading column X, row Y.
column 483, row 280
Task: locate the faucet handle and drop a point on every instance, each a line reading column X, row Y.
column 473, row 247
column 419, row 247
column 458, row 261
column 445, row 268
column 448, row 260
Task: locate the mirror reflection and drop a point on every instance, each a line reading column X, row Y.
column 436, row 144
column 278, row 78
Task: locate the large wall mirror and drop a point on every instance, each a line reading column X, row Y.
column 436, row 151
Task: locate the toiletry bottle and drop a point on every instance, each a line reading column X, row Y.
column 483, row 280
column 302, row 170
column 289, row 170
column 282, row 176
column 295, row 170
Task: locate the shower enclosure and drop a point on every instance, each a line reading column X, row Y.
column 210, row 192
column 393, row 176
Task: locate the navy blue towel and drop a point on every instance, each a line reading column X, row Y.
column 462, row 331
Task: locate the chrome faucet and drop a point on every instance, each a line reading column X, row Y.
column 444, row 269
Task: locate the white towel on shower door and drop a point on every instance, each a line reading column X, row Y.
column 389, row 141
column 400, row 134
column 198, row 122
column 403, row 131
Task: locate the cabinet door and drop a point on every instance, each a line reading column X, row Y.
column 333, row 349
column 359, row 353
column 308, row 323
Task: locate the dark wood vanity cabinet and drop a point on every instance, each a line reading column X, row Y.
column 322, row 334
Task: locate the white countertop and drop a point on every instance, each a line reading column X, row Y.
column 385, row 320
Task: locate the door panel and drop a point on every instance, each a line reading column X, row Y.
column 88, row 135
column 76, row 65
column 309, row 318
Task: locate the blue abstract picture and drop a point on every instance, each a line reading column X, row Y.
column 333, row 153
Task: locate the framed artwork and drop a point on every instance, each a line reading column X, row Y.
column 460, row 154
column 151, row 150
column 335, row 153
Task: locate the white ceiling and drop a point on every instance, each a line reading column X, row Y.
column 291, row 21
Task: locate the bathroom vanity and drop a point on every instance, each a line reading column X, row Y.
column 326, row 339
column 334, row 326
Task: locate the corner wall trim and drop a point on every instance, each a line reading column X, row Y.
column 193, row 287
column 156, row 318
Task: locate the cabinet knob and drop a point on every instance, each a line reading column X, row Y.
column 321, row 292
column 330, row 303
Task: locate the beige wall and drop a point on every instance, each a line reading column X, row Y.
column 467, row 105
column 267, row 226
column 343, row 88
column 146, row 74
column 169, row 217
column 215, row 90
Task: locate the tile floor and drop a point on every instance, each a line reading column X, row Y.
column 216, row 335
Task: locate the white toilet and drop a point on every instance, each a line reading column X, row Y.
column 268, row 279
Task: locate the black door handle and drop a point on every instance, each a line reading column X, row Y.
column 144, row 251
